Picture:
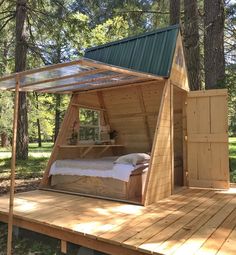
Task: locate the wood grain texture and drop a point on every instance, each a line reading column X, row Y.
column 104, row 187
column 207, row 132
column 178, row 76
column 193, row 221
column 159, row 180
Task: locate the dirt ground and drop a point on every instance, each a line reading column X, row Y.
column 25, row 245
column 21, row 185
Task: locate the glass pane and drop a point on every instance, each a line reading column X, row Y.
column 89, row 117
column 89, row 134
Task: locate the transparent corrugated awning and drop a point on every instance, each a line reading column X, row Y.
column 79, row 75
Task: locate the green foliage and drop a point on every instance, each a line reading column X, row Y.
column 230, row 49
column 230, row 83
column 6, row 112
column 111, row 30
column 232, row 152
column 61, row 30
column 31, row 168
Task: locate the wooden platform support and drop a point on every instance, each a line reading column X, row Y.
column 13, row 169
column 193, row 222
column 63, row 246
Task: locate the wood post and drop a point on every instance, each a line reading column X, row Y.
column 13, row 168
column 63, row 246
column 172, row 137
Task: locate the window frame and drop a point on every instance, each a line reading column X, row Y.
column 90, row 126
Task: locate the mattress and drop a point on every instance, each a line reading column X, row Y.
column 103, row 167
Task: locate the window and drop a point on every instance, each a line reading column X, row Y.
column 89, row 125
column 179, row 60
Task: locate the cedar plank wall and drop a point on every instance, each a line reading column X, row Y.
column 178, row 99
column 129, row 119
column 133, row 121
column 159, row 183
column 179, row 75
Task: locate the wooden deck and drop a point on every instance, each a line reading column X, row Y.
column 193, row 221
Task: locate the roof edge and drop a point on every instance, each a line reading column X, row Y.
column 160, row 30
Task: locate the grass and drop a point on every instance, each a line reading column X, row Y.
column 29, row 243
column 31, row 168
column 38, row 158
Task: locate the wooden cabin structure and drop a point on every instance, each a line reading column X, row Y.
column 136, row 94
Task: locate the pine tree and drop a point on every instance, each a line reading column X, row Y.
column 191, row 43
column 214, row 59
column 174, row 12
column 20, row 65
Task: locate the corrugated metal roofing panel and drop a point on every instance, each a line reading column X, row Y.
column 150, row 53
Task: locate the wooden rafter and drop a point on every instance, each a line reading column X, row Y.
column 103, row 106
column 89, row 107
column 108, row 85
column 97, row 64
column 131, row 115
column 139, row 81
column 100, row 79
column 145, row 117
column 100, row 67
column 75, row 75
column 41, row 69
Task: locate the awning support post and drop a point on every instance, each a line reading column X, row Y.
column 13, row 168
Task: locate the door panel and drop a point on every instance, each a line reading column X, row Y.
column 207, row 139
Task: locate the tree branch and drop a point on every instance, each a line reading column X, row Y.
column 6, row 22
column 155, row 12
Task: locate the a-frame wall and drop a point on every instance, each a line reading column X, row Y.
column 144, row 109
column 158, row 183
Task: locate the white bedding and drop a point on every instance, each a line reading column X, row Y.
column 103, row 167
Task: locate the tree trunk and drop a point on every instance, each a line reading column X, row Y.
column 174, row 12
column 57, row 116
column 191, row 43
column 214, row 43
column 20, row 65
column 38, row 121
column 4, row 139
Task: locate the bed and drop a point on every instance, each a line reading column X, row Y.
column 100, row 177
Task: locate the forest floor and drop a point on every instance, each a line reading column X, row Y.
column 28, row 175
column 28, row 172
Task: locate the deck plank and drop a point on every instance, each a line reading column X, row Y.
column 184, row 233
column 198, row 238
column 154, row 229
column 193, row 221
column 216, row 240
column 228, row 248
column 155, row 242
column 124, row 232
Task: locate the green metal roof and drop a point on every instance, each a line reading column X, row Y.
column 150, row 52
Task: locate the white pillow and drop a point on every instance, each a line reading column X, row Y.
column 133, row 158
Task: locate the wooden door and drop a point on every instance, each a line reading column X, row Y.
column 207, row 139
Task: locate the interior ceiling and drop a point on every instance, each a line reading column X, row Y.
column 79, row 75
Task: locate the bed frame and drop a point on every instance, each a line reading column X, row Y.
column 104, row 187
